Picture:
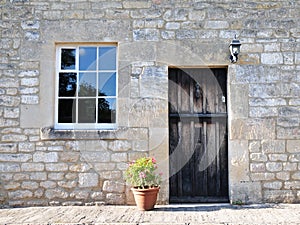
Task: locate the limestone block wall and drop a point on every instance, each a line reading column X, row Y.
column 43, row 166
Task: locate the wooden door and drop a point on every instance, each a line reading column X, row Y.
column 198, row 135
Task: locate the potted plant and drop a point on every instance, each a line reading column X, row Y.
column 141, row 175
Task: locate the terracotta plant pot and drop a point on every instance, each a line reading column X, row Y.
column 145, row 199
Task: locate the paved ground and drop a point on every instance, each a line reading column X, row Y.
column 171, row 214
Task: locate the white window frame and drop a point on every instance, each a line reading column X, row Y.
column 83, row 126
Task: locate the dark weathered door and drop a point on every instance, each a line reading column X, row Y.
column 198, row 135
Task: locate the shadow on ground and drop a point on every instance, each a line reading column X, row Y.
column 211, row 207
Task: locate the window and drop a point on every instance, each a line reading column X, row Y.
column 86, row 87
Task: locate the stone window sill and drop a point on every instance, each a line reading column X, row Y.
column 49, row 133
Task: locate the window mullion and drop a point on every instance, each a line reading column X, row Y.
column 77, row 88
column 97, row 83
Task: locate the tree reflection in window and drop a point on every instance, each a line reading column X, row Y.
column 68, row 59
column 67, row 84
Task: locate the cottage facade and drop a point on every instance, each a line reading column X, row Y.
column 87, row 86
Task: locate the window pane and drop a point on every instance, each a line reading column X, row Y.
column 87, row 84
column 87, row 110
column 67, row 84
column 87, row 58
column 106, row 110
column 68, row 59
column 107, row 84
column 107, row 58
column 67, row 111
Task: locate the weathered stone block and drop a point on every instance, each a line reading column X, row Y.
column 111, row 175
column 55, row 148
column 67, row 184
column 20, row 194
column 275, row 196
column 185, row 34
column 113, row 186
column 288, row 58
column 286, row 122
column 216, row 24
column 15, row 157
column 272, row 47
column 239, row 97
column 247, row 192
column 294, row 158
column 69, row 156
column 104, row 166
column 56, row 167
column 38, row 176
column 119, row 146
column 136, row 4
column 95, row 157
column 264, row 91
column 56, row 193
column 267, row 102
column 56, row 176
column 45, row 157
column 258, row 157
column 278, row 157
column 48, row 184
column 8, row 148
column 11, row 185
column 263, row 112
column 262, row 176
column 289, row 166
column 273, row 185
column 32, row 167
column 26, row 147
column 296, row 176
column 98, row 196
column 88, row 180
column 9, row 82
column 274, row 166
column 293, row 146
column 253, row 129
column 239, row 163
column 11, row 113
column 172, row 25
column 10, row 101
column 257, row 167
column 30, row 99
column 272, row 58
column 119, row 157
column 254, row 146
column 146, row 35
column 283, row 176
column 292, row 185
column 81, row 167
column 80, row 194
column 14, row 138
column 289, row 111
column 30, row 185
column 116, row 199
column 175, row 15
column 196, row 15
column 288, row 132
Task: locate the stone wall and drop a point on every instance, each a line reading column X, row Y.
column 43, row 166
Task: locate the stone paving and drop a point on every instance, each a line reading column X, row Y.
column 165, row 214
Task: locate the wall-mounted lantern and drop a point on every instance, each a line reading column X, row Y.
column 234, row 48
